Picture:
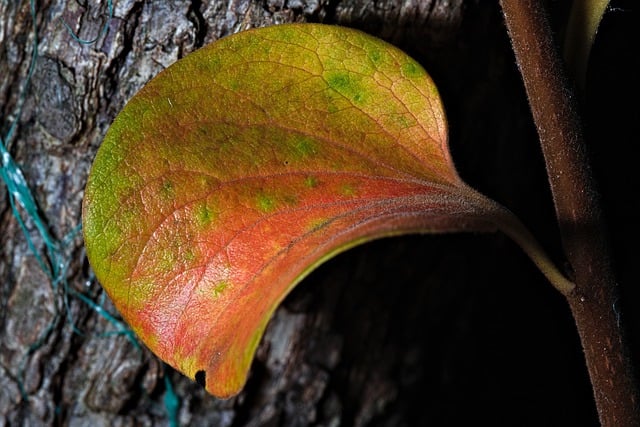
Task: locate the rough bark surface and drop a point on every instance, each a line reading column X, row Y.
column 411, row 331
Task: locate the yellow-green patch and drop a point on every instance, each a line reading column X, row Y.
column 220, row 287
column 318, row 224
column 303, row 147
column 347, row 190
column 189, row 256
column 265, row 203
column 402, row 121
column 374, row 55
column 205, row 215
column 311, row 181
column 346, row 84
column 411, row 69
column 166, row 260
column 166, row 190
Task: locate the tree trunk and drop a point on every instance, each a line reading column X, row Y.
column 409, row 331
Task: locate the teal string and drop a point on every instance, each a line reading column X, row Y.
column 24, row 207
column 20, row 195
column 171, row 400
column 102, row 32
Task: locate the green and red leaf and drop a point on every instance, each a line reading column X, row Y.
column 241, row 167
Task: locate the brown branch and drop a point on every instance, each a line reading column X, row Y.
column 593, row 302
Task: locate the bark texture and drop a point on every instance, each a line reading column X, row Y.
column 410, row 331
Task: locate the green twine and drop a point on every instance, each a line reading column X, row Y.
column 13, row 178
column 102, row 32
column 171, row 400
column 120, row 327
column 56, row 269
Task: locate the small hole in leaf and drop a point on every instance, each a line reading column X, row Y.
column 201, row 378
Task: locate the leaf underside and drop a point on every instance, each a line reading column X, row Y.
column 241, row 167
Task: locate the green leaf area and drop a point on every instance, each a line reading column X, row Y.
column 246, row 164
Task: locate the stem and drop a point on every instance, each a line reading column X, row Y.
column 593, row 302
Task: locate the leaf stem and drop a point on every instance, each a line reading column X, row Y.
column 512, row 227
column 594, row 300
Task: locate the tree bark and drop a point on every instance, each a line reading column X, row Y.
column 408, row 331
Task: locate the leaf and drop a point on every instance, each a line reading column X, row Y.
column 243, row 166
column 582, row 26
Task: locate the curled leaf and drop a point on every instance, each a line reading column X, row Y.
column 243, row 166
